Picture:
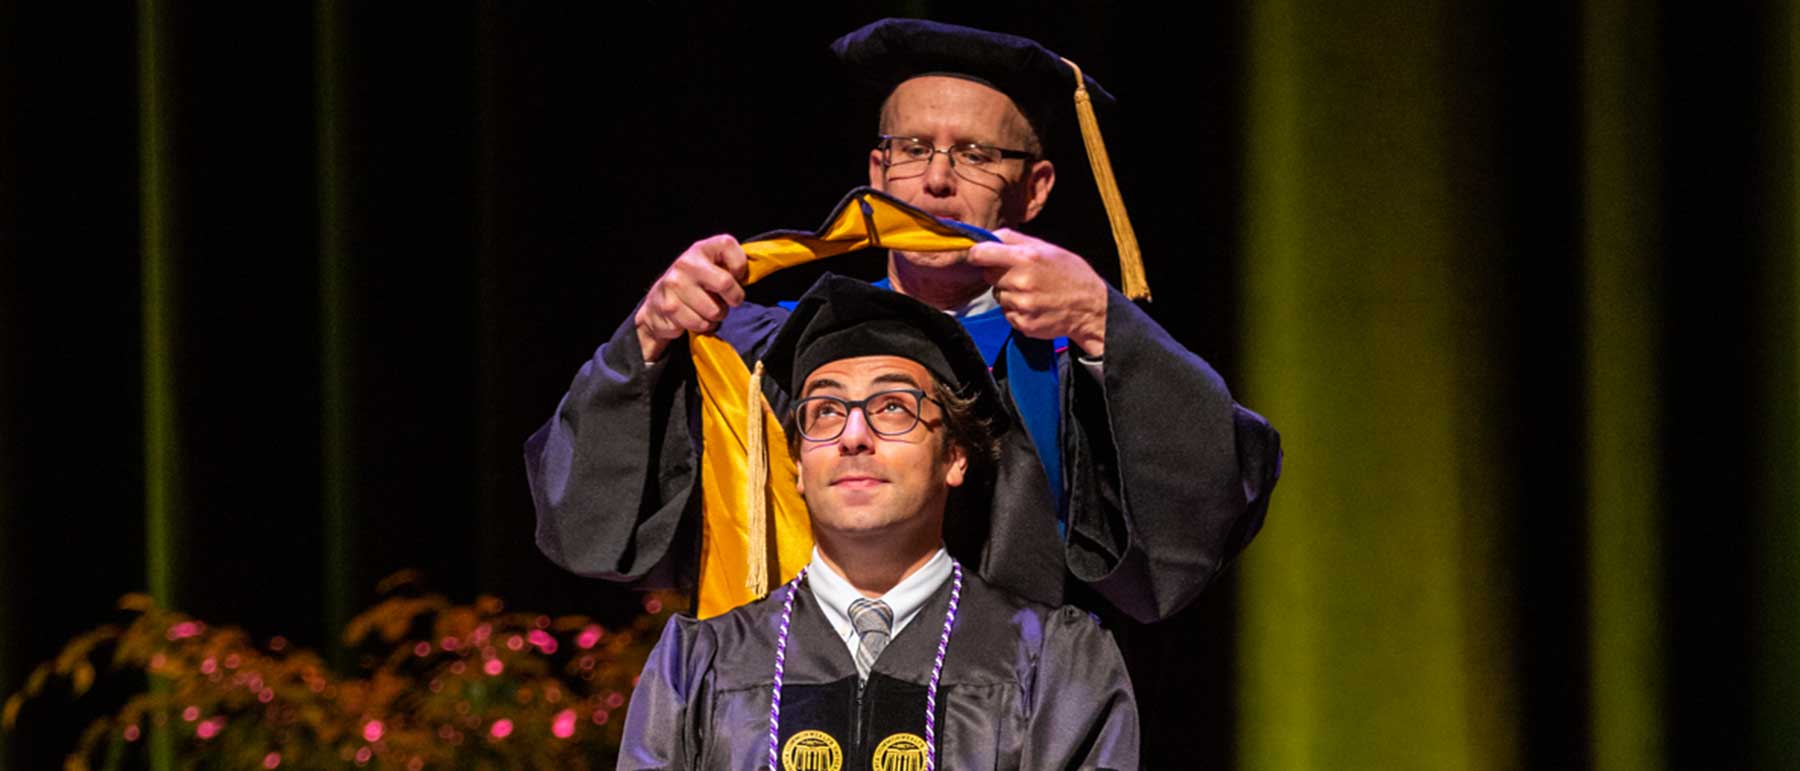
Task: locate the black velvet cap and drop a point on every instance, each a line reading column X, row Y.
column 886, row 53
column 842, row 318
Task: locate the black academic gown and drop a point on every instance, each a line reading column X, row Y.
column 1167, row 477
column 1024, row 686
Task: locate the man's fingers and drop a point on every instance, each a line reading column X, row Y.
column 725, row 252
column 689, row 321
column 700, row 303
column 1012, row 237
column 696, row 292
column 991, row 255
column 721, row 285
column 696, row 270
column 657, row 325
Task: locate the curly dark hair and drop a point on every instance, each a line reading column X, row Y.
column 963, row 427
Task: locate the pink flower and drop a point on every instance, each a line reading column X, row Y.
column 185, row 629
column 502, row 728
column 542, row 640
column 272, row 760
column 590, row 635
column 493, row 667
column 372, row 731
column 210, row 728
column 564, row 724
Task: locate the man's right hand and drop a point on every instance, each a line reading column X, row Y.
column 693, row 295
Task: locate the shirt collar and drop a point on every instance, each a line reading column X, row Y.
column 982, row 303
column 906, row 599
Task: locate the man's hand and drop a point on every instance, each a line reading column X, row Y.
column 693, row 295
column 1045, row 290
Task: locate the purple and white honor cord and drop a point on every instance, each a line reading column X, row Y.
column 787, row 615
column 937, row 669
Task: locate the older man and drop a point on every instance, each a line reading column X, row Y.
column 884, row 654
column 1146, row 509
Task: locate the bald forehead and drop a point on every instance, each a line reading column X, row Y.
column 939, row 106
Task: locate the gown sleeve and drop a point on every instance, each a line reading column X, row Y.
column 1083, row 713
column 613, row 473
column 1169, row 479
column 662, row 730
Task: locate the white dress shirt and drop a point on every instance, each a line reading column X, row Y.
column 906, row 599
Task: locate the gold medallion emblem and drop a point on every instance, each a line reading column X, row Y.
column 811, row 751
column 900, row 752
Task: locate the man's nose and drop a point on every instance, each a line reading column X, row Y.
column 857, row 438
column 940, row 174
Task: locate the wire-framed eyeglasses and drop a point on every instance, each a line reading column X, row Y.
column 911, row 156
column 888, row 413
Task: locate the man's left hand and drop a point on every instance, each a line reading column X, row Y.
column 1045, row 290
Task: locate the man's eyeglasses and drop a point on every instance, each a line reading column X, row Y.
column 888, row 413
column 910, row 156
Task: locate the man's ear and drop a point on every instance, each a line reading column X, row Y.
column 877, row 175
column 958, row 467
column 1038, row 182
column 799, row 478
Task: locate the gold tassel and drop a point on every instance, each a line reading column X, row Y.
column 756, row 482
column 1131, row 263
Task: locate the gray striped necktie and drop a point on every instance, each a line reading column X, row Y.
column 872, row 620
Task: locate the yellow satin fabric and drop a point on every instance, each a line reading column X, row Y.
column 725, row 532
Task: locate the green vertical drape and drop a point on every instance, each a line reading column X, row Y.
column 335, row 326
column 1777, row 628
column 1621, row 240
column 1368, row 626
column 161, row 303
column 1392, row 606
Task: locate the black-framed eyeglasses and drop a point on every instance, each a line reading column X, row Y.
column 910, row 156
column 888, row 413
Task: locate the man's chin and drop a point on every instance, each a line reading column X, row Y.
column 935, row 260
column 860, row 526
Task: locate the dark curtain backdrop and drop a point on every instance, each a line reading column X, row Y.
column 284, row 287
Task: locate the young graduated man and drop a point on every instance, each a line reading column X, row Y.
column 888, row 652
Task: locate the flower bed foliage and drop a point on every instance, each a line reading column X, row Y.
column 445, row 686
